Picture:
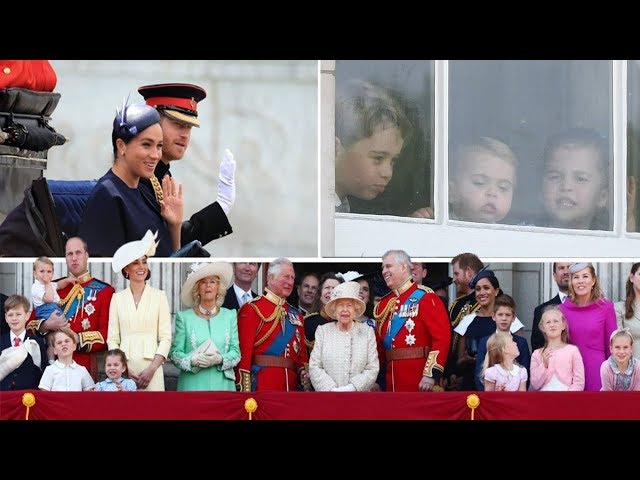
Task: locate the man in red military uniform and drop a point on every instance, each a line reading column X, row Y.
column 85, row 308
column 271, row 333
column 414, row 327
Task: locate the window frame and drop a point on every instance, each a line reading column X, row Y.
column 367, row 235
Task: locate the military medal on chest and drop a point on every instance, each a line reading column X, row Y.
column 410, row 339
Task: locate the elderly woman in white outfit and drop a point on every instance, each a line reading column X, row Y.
column 345, row 356
column 139, row 316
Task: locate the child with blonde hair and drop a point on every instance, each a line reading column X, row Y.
column 44, row 295
column 501, row 372
column 558, row 365
column 621, row 371
column 482, row 181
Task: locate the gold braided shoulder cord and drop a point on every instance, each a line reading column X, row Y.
column 276, row 315
column 380, row 318
column 464, row 311
column 76, row 292
column 157, row 188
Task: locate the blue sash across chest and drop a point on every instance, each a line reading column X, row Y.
column 397, row 322
column 91, row 291
column 278, row 345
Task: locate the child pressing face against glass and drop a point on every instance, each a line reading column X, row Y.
column 575, row 181
column 482, row 182
column 365, row 168
column 371, row 129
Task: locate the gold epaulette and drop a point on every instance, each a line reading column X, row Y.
column 254, row 299
column 310, row 314
column 425, row 288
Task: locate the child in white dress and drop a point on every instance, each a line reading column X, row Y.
column 502, row 372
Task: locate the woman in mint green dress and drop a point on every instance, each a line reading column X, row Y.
column 205, row 346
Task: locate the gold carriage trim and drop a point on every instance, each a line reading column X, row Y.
column 245, row 380
column 432, row 364
column 89, row 338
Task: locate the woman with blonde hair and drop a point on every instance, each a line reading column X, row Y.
column 591, row 319
column 206, row 346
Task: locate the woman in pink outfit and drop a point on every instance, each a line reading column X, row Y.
column 591, row 319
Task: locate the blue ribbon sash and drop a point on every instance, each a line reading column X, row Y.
column 278, row 345
column 397, row 322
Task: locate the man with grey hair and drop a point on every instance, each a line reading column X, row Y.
column 271, row 333
column 414, row 327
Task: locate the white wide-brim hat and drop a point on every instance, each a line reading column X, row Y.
column 198, row 271
column 131, row 251
column 350, row 276
column 346, row 290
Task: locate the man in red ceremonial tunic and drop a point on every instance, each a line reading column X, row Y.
column 414, row 328
column 271, row 333
column 85, row 307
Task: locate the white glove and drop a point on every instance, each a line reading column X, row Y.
column 213, row 359
column 196, row 359
column 226, row 182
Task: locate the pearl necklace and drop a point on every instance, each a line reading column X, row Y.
column 208, row 313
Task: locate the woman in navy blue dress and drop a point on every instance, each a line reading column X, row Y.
column 117, row 212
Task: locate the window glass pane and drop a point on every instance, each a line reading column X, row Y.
column 530, row 143
column 384, row 118
column 633, row 145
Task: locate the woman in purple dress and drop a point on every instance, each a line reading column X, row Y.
column 591, row 319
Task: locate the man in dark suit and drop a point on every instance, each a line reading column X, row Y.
column 244, row 274
column 177, row 104
column 307, row 291
column 561, row 276
column 24, row 374
column 465, row 266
